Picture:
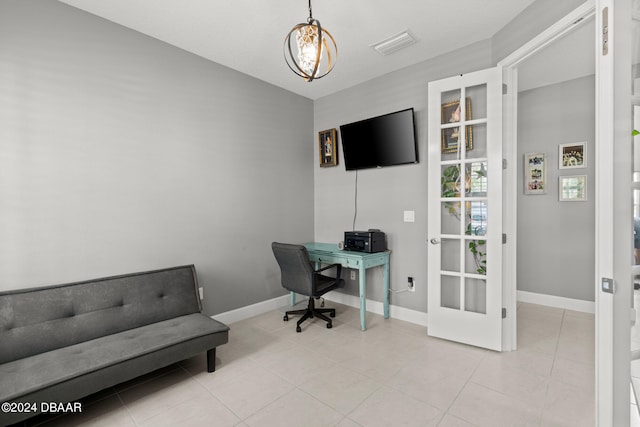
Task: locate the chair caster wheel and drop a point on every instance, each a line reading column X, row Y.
column 329, row 325
column 298, row 329
column 332, row 314
column 285, row 318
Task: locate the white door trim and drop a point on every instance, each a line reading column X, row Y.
column 509, row 67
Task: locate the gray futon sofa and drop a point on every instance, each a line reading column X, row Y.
column 60, row 343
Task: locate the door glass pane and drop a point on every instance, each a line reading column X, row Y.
column 450, row 292
column 476, row 219
column 476, row 141
column 477, row 172
column 475, row 295
column 450, row 137
column 477, row 102
column 450, row 218
column 476, row 256
column 450, row 101
column 450, row 180
column 450, row 255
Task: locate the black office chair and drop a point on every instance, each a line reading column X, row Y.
column 299, row 276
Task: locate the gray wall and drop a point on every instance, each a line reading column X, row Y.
column 119, row 153
column 556, row 240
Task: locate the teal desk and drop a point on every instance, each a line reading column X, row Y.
column 328, row 253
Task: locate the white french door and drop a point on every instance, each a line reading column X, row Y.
column 465, row 209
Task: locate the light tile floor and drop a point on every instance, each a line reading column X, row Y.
column 390, row 375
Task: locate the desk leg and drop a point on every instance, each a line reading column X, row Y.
column 386, row 290
column 362, row 275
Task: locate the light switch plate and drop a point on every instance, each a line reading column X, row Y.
column 409, row 216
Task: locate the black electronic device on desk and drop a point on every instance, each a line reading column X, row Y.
column 365, row 241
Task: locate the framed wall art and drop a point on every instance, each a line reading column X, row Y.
column 572, row 155
column 327, row 146
column 450, row 113
column 573, row 188
column 535, row 173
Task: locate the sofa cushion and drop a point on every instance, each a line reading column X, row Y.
column 43, row 370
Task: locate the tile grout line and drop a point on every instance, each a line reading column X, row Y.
column 126, row 408
column 446, row 412
column 242, row 420
column 555, row 350
column 553, row 365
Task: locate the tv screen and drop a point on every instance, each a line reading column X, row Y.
column 380, row 141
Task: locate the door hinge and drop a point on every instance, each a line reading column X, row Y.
column 504, row 163
column 504, row 89
column 504, row 312
column 504, row 238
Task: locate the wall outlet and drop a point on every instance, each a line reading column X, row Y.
column 353, row 275
column 411, row 284
column 201, row 292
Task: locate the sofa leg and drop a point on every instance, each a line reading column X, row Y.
column 211, row 360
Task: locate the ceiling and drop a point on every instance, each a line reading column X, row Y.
column 248, row 35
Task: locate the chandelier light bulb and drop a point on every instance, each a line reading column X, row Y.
column 311, row 53
column 307, row 40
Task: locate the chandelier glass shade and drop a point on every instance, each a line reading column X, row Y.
column 309, row 50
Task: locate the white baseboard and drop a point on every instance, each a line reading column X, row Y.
column 376, row 307
column 558, row 302
column 252, row 310
column 395, row 312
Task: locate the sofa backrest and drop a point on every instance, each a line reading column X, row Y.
column 37, row 320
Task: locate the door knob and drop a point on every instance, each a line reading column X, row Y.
column 435, row 241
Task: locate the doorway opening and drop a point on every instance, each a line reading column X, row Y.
column 556, row 195
column 556, row 211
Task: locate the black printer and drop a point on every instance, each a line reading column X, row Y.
column 365, row 241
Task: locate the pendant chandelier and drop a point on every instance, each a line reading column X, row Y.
column 309, row 50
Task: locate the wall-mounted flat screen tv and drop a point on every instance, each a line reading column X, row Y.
column 380, row 141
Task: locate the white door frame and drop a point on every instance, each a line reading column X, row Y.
column 614, row 207
column 509, row 67
column 613, row 198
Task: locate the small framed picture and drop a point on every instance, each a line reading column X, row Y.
column 450, row 113
column 327, row 145
column 573, row 155
column 573, row 188
column 535, row 173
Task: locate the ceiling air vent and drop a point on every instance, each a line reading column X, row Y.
column 394, row 43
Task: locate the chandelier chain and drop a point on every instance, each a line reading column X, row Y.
column 310, row 19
